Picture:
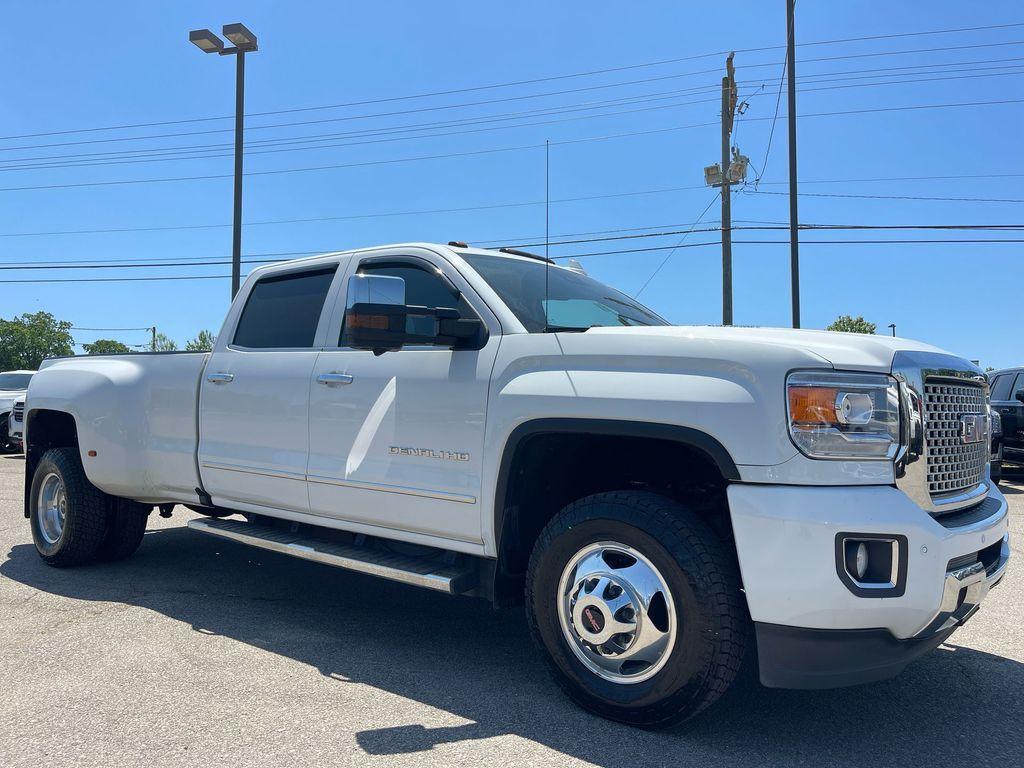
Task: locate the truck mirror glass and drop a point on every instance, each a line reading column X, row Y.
column 375, row 313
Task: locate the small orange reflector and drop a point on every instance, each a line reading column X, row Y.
column 91, row 453
column 812, row 405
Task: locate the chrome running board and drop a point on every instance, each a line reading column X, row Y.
column 408, row 570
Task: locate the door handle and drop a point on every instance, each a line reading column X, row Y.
column 220, row 378
column 334, row 379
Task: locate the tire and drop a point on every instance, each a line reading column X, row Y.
column 702, row 619
column 77, row 538
column 126, row 523
column 6, row 444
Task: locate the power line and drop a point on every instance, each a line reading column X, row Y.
column 491, row 86
column 920, row 241
column 898, row 197
column 505, row 99
column 634, row 235
column 494, row 150
column 274, row 147
column 313, row 138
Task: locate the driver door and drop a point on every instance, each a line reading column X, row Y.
column 396, row 439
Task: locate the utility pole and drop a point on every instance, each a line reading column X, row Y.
column 794, row 234
column 893, row 327
column 728, row 110
column 152, row 345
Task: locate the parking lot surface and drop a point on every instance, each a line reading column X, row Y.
column 205, row 652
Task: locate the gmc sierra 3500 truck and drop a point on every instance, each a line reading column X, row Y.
column 665, row 500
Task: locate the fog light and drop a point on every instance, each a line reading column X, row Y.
column 872, row 565
column 861, row 561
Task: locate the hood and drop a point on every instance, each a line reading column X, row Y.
column 857, row 351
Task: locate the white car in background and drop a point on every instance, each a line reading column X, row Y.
column 13, row 386
column 16, row 425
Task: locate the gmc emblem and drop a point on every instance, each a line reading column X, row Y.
column 972, row 427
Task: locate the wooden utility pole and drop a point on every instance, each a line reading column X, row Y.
column 794, row 231
column 728, row 110
column 152, row 346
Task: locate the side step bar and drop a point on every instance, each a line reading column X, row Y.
column 409, row 570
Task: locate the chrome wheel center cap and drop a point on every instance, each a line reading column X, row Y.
column 604, row 614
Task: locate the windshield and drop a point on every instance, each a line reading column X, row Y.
column 574, row 302
column 14, row 381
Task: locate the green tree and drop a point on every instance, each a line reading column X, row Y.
column 203, row 342
column 28, row 340
column 850, row 324
column 105, row 347
column 164, row 343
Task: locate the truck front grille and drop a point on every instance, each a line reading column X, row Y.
column 19, row 412
column 953, row 465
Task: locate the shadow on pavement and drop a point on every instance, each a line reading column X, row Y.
column 956, row 706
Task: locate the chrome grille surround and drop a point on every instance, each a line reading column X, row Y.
column 953, row 465
column 938, row 481
column 19, row 412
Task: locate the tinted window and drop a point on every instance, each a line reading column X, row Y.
column 423, row 288
column 15, row 381
column 284, row 311
column 1001, row 386
column 557, row 298
column 1017, row 387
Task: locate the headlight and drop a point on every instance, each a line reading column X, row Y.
column 997, row 422
column 844, row 415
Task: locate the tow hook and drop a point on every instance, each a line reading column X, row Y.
column 165, row 510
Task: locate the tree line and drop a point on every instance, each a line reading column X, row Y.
column 27, row 340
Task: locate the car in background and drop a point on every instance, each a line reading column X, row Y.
column 1008, row 403
column 16, row 426
column 13, row 386
column 995, row 458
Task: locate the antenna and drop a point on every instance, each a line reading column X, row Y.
column 547, row 226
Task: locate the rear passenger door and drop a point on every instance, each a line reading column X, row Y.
column 254, row 396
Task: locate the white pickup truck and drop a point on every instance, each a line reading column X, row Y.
column 665, row 500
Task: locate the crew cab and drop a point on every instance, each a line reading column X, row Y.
column 666, row 501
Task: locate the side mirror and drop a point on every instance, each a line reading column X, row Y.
column 378, row 319
column 1019, row 395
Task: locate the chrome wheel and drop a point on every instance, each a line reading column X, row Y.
column 51, row 508
column 616, row 612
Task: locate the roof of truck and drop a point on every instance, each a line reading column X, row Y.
column 455, row 249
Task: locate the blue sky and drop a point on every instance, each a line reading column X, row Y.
column 71, row 66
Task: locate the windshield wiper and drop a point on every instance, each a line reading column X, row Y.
column 565, row 329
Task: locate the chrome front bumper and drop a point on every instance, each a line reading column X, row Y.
column 965, row 588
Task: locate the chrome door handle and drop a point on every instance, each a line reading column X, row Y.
column 220, row 378
column 335, row 379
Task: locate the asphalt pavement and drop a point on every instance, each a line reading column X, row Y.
column 204, row 652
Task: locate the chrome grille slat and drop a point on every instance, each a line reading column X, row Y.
column 952, row 465
column 19, row 412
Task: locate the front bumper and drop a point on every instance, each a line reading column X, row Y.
column 813, row 631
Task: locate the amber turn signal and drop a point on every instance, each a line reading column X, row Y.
column 812, row 405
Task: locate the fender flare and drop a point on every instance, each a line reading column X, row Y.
column 688, row 436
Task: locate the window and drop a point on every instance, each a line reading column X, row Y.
column 1001, row 386
column 547, row 297
column 423, row 288
column 1016, row 387
column 283, row 311
column 14, row 381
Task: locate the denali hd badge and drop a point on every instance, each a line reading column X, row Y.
column 428, row 453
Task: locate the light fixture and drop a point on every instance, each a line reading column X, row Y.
column 206, row 41
column 240, row 35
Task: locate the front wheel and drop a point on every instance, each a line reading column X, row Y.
column 637, row 605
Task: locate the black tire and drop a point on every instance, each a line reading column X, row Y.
column 85, row 519
column 126, row 524
column 6, row 444
column 702, row 577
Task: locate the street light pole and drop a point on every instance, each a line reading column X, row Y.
column 245, row 41
column 236, row 228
